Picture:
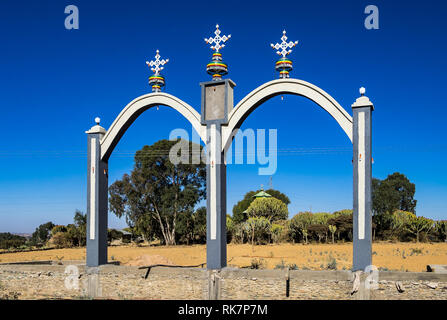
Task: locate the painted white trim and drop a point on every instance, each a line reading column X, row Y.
column 93, row 188
column 361, row 171
column 151, row 100
column 286, row 86
column 213, row 182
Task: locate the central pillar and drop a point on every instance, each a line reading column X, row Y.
column 217, row 102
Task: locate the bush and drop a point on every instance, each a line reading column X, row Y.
column 257, row 264
column 61, row 240
column 9, row 240
column 58, row 228
column 277, row 232
column 332, row 264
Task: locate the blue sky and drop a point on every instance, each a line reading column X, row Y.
column 54, row 82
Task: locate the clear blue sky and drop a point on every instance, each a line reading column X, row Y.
column 54, row 82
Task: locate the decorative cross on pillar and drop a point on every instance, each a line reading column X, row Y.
column 157, row 80
column 362, row 166
column 217, row 68
column 284, row 65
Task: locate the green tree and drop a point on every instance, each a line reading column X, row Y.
column 343, row 224
column 159, row 188
column 42, row 233
column 418, row 225
column 80, row 222
column 400, row 221
column 270, row 208
column 239, row 214
column 9, row 240
column 72, row 235
column 257, row 228
column 319, row 230
column 277, row 232
column 332, row 229
column 441, row 229
column 300, row 223
column 61, row 240
column 395, row 192
column 58, row 228
column 199, row 218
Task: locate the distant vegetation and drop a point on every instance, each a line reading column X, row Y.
column 158, row 200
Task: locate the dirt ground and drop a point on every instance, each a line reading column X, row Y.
column 392, row 256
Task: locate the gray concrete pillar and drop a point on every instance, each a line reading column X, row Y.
column 97, row 185
column 217, row 102
column 362, row 198
column 216, row 239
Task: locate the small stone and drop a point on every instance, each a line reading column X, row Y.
column 254, row 279
column 50, row 274
column 432, row 285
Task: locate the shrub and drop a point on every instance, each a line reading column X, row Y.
column 257, row 264
column 277, row 232
column 332, row 264
column 61, row 240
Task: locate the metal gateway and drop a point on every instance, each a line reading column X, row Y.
column 216, row 125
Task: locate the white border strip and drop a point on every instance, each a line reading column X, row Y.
column 92, row 188
column 361, row 175
column 213, row 220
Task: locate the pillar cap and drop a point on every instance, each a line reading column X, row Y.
column 362, row 101
column 97, row 128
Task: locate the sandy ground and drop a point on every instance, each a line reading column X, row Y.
column 393, row 256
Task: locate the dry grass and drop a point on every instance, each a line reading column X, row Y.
column 392, row 256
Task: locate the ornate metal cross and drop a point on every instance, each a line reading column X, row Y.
column 157, row 65
column 217, row 40
column 285, row 46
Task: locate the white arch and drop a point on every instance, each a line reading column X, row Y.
column 136, row 107
column 283, row 86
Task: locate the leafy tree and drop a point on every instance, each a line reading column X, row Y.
column 277, row 231
column 270, row 208
column 199, row 218
column 343, row 224
column 418, row 225
column 61, row 240
column 441, row 229
column 191, row 226
column 9, row 240
column 400, row 220
column 395, row 192
column 257, row 228
column 320, row 230
column 332, row 229
column 300, row 223
column 159, row 189
column 42, row 233
column 344, row 212
column 230, row 228
column 80, row 222
column 58, row 228
column 239, row 208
